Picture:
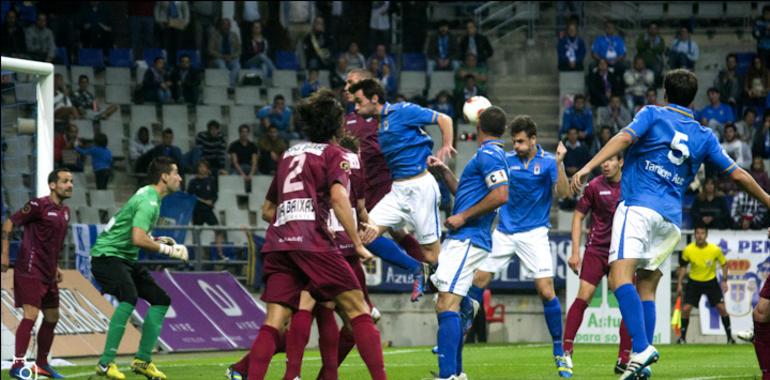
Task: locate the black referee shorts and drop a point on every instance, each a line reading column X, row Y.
column 127, row 281
column 711, row 289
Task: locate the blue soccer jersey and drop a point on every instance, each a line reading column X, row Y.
column 405, row 145
column 668, row 148
column 486, row 170
column 530, row 193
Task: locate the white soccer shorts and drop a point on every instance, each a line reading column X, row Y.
column 457, row 262
column 642, row 233
column 532, row 247
column 414, row 202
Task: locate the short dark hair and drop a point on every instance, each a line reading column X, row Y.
column 492, row 121
column 204, row 162
column 731, row 126
column 244, row 126
column 278, row 97
column 159, row 166
column 350, row 142
column 523, row 123
column 681, row 86
column 443, row 22
column 53, row 177
column 320, row 115
column 749, row 110
column 184, row 56
column 701, row 226
column 157, row 58
column 469, row 76
column 712, row 89
column 578, row 97
column 370, row 87
column 83, row 76
column 212, row 123
column 731, row 55
column 100, row 139
column 168, row 131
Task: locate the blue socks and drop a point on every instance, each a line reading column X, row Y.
column 632, row 311
column 449, row 338
column 649, row 319
column 477, row 294
column 391, row 252
column 552, row 311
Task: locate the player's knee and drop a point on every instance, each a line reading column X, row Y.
column 352, row 303
column 481, row 279
column 51, row 315
column 30, row 312
column 447, row 302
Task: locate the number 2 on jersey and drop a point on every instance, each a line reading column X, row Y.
column 678, row 144
column 296, row 165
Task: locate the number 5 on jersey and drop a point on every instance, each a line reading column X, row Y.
column 678, row 144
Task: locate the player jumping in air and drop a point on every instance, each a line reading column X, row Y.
column 36, row 274
column 664, row 147
column 115, row 267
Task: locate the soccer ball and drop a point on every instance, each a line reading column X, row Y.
column 473, row 108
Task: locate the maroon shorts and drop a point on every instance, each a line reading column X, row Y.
column 374, row 194
column 286, row 274
column 33, row 291
column 595, row 266
column 358, row 270
column 765, row 292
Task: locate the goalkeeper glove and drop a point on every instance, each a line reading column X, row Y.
column 167, row 240
column 177, row 251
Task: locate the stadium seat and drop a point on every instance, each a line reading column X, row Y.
column 62, row 56
column 241, row 115
column 102, row 199
column 26, row 92
column 440, row 81
column 413, row 62
column 737, row 9
column 151, row 53
column 118, row 75
column 88, row 215
column 115, row 142
column 78, row 198
column 247, row 96
column 204, row 114
column 64, row 71
column 650, row 10
column 284, row 78
column 744, row 62
column 710, row 10
column 236, row 217
column 287, row 93
column 229, row 184
column 412, row 83
column 77, row 71
column 490, row 310
column 323, row 78
column 80, row 184
column 215, row 95
column 238, row 237
column 571, row 82
column 12, row 181
column 286, row 60
column 680, row 10
column 142, row 116
column 121, row 57
column 91, row 57
column 18, row 197
column 175, row 117
column 85, row 128
column 118, row 94
column 217, row 78
column 195, row 57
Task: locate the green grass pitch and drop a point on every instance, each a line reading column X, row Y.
column 483, row 362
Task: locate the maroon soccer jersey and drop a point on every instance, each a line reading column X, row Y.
column 601, row 199
column 378, row 178
column 355, row 192
column 301, row 192
column 45, row 227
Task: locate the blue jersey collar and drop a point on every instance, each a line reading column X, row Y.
column 497, row 142
column 679, row 109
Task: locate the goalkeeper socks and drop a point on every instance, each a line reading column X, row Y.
column 262, row 351
column 762, row 346
column 683, row 330
column 389, row 251
column 44, row 341
column 574, row 319
column 369, row 345
column 328, row 340
column 449, row 336
column 624, row 348
column 23, row 334
column 115, row 333
column 296, row 340
column 153, row 322
column 649, row 319
column 728, row 330
column 477, row 294
column 552, row 311
column 631, row 309
column 412, row 247
column 346, row 344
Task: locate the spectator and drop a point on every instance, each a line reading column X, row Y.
column 86, row 102
column 745, row 127
column 205, row 188
column 568, row 12
column 379, row 23
column 761, row 33
column 610, row 47
column 101, row 160
column 738, row 150
column 580, row 118
column 255, row 51
column 475, row 43
column 716, row 115
column 471, row 67
column 469, row 90
column 172, row 18
column 249, row 15
column 748, row 212
column 204, row 16
column 95, row 26
column 141, row 25
column 684, row 51
column 577, row 153
column 651, row 47
column 185, row 81
column 41, row 44
column 280, row 116
column 157, row 84
column 225, row 50
column 141, row 144
column 729, row 83
column 651, row 99
column 14, row 40
column 441, row 50
column 271, row 146
column 353, row 57
column 761, row 145
column 339, row 75
column 759, row 173
column 382, row 58
column 311, row 83
column 756, row 84
column 64, row 109
column 213, row 145
column 318, row 46
column 443, row 104
column 64, row 153
column 637, row 80
column 374, row 66
column 243, row 155
column 709, row 208
column 603, row 82
column 615, row 115
column 389, row 82
column 166, row 148
column 571, row 50
column 605, row 134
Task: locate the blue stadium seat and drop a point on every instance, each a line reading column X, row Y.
column 195, row 57
column 286, row 60
column 151, row 53
column 744, row 61
column 91, row 57
column 121, row 57
column 62, row 56
column 413, row 62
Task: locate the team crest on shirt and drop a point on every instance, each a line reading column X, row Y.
column 344, row 165
column 536, row 169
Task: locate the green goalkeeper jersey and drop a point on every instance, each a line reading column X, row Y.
column 141, row 211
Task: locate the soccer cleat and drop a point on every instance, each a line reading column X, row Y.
column 563, row 365
column 110, row 371
column 747, row 335
column 232, row 374
column 468, row 309
column 681, row 340
column 462, row 376
column 645, row 374
column 639, row 361
column 620, row 367
column 20, row 373
column 147, row 369
column 47, row 371
column 434, row 350
column 730, row 340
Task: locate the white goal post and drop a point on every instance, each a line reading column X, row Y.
column 44, row 93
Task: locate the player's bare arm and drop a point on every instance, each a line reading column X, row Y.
column 494, row 199
column 681, row 272
column 750, row 185
column 268, row 211
column 435, row 164
column 367, row 231
column 617, row 144
column 562, row 184
column 341, row 206
column 5, row 258
column 447, row 136
column 577, row 229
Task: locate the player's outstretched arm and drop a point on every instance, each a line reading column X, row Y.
column 749, row 185
column 577, row 230
column 562, row 184
column 342, row 209
column 447, row 136
column 5, row 258
column 435, row 164
column 617, row 144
